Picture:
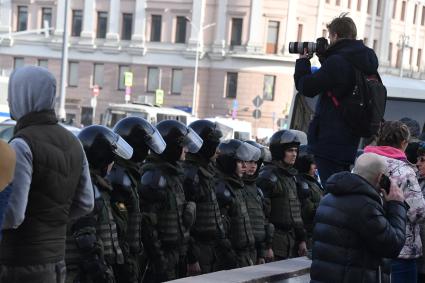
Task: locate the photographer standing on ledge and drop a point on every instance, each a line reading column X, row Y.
column 329, row 137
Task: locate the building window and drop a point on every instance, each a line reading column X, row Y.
column 379, row 8
column 272, row 37
column 180, row 30
column 18, row 62
column 98, row 75
column 300, row 32
column 338, row 2
column 77, row 22
column 365, row 40
column 268, row 87
column 414, row 14
column 394, row 8
column 410, row 56
column 324, row 32
column 375, row 44
column 156, row 23
column 328, row 1
column 369, row 6
column 121, row 77
column 231, row 85
column 236, row 36
column 403, row 10
column 46, row 18
column 419, row 58
column 102, row 23
column 349, row 4
column 390, row 52
column 398, row 61
column 22, row 18
column 423, row 16
column 43, row 63
column 73, row 74
column 153, row 79
column 359, row 5
column 127, row 26
column 176, row 81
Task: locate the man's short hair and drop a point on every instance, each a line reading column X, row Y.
column 343, row 27
column 370, row 166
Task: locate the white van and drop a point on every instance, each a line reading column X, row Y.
column 153, row 114
column 405, row 98
column 233, row 128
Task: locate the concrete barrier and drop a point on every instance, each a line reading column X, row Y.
column 285, row 271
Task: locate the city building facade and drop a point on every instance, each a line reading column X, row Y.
column 242, row 46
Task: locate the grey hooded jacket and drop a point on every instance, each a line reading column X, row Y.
column 33, row 89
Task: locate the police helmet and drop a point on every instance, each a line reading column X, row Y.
column 141, row 135
column 231, row 151
column 176, row 135
column 101, row 145
column 210, row 133
column 281, row 141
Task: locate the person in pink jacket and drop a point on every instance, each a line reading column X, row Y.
column 391, row 143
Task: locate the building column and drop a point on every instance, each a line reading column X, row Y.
column 197, row 22
column 5, row 16
column 255, row 27
column 385, row 32
column 220, row 27
column 113, row 17
column 319, row 20
column 89, row 17
column 291, row 25
column 372, row 23
column 140, row 22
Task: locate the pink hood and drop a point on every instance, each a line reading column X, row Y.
column 387, row 151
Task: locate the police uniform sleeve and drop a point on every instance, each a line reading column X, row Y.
column 267, row 182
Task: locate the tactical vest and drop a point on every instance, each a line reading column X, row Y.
column 285, row 206
column 127, row 205
column 169, row 213
column 255, row 207
column 208, row 224
column 240, row 233
column 57, row 167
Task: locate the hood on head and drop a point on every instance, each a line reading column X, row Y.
column 361, row 56
column 387, row 151
column 31, row 89
column 346, row 183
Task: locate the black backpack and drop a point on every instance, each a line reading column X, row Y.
column 363, row 110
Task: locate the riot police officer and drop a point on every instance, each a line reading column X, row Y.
column 207, row 233
column 229, row 190
column 310, row 191
column 278, row 183
column 126, row 180
column 257, row 210
column 93, row 250
column 167, row 217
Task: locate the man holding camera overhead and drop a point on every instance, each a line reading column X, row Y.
column 329, row 138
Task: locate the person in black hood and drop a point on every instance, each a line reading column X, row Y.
column 355, row 229
column 329, row 137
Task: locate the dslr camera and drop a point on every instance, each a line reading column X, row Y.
column 318, row 47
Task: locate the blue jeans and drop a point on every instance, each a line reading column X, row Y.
column 404, row 271
column 327, row 167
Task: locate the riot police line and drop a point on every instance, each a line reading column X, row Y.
column 173, row 201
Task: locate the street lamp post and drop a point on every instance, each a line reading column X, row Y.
column 403, row 43
column 198, row 47
column 64, row 69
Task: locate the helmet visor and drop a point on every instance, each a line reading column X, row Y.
column 289, row 137
column 192, row 141
column 155, row 141
column 247, row 152
column 122, row 148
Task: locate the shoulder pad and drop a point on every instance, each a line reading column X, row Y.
column 268, row 174
column 191, row 173
column 154, row 179
column 223, row 193
column 118, row 176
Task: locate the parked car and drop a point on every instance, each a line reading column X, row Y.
column 6, row 129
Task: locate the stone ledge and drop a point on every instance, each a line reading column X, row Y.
column 270, row 272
